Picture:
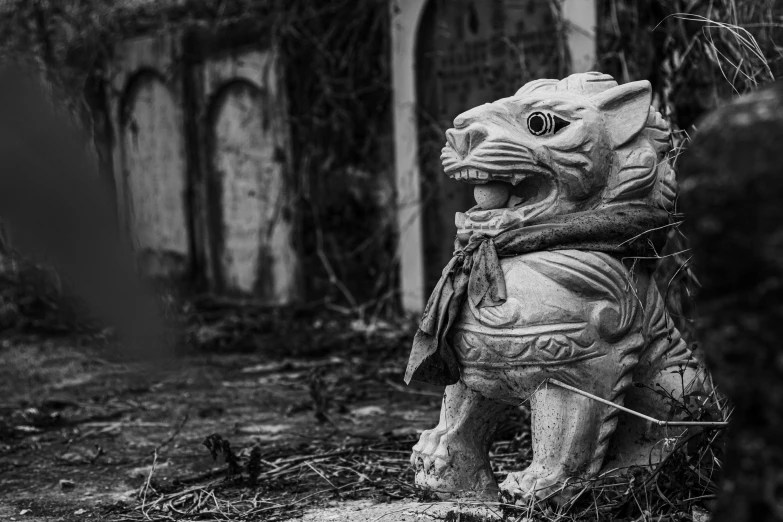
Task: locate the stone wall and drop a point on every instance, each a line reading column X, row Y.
column 200, row 163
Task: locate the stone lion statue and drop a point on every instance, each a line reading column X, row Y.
column 551, row 280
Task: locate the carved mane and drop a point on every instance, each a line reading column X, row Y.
column 643, row 171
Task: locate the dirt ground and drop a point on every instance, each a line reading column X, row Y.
column 269, row 417
column 318, row 412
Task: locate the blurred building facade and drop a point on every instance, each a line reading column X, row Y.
column 199, row 160
column 190, row 125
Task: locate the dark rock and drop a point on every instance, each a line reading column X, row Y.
column 733, row 191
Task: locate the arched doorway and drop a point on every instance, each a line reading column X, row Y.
column 155, row 175
column 251, row 251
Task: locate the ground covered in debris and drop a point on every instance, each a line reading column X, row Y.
column 261, row 416
column 251, row 424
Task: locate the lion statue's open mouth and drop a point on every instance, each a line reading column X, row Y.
column 503, row 199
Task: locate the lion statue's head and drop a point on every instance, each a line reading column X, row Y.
column 557, row 147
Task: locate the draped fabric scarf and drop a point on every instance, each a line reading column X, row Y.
column 474, row 272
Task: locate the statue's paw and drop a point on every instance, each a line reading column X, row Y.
column 449, row 467
column 536, row 481
column 429, row 455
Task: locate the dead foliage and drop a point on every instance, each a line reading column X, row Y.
column 282, row 481
column 217, row 445
column 696, row 54
column 342, row 460
column 293, row 480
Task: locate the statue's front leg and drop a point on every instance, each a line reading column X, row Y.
column 453, row 458
column 565, row 428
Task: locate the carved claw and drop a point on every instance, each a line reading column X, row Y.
column 425, row 454
column 431, row 454
column 446, row 465
column 535, row 481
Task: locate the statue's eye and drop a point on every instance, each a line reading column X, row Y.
column 540, row 123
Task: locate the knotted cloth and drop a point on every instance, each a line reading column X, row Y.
column 633, row 230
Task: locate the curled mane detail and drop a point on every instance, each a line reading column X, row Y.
column 643, row 170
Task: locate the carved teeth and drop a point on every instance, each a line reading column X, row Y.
column 471, row 175
column 478, row 176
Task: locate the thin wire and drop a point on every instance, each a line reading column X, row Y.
column 632, row 412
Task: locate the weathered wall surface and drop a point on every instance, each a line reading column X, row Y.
column 149, row 154
column 251, row 224
column 155, row 174
column 200, row 153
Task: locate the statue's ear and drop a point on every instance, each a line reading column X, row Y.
column 625, row 109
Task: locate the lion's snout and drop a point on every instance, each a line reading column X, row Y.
column 466, row 140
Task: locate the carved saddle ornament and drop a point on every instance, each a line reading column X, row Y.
column 552, row 279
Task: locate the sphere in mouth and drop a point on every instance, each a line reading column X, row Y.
column 492, row 195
